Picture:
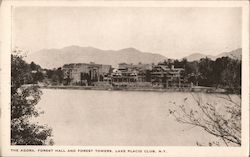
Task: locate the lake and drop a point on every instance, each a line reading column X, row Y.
column 125, row 118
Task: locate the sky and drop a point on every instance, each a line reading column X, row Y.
column 172, row 32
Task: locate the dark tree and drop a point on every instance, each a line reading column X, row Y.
column 49, row 73
column 23, row 101
column 148, row 76
column 206, row 70
column 55, row 79
column 59, row 73
column 20, row 73
column 34, row 66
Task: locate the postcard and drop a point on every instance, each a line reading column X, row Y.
column 125, row 78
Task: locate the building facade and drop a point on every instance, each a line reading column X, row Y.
column 83, row 73
column 130, row 72
column 161, row 76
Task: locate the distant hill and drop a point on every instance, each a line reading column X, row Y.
column 235, row 54
column 53, row 58
column 198, row 56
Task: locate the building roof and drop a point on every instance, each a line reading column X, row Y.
column 73, row 65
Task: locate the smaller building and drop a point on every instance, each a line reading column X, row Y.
column 130, row 72
column 163, row 76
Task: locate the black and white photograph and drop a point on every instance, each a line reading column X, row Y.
column 126, row 76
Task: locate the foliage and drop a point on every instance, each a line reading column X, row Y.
column 23, row 72
column 222, row 121
column 23, row 100
column 55, row 76
column 20, row 73
column 224, row 72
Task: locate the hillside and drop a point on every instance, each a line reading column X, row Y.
column 53, row 58
column 235, row 54
column 198, row 56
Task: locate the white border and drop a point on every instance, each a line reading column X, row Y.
column 171, row 151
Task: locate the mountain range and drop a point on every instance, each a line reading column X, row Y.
column 54, row 58
column 235, row 54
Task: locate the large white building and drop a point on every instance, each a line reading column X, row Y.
column 82, row 72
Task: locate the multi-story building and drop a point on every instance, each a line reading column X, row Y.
column 130, row 72
column 162, row 75
column 83, row 73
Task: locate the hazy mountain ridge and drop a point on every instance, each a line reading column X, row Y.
column 198, row 56
column 235, row 54
column 53, row 58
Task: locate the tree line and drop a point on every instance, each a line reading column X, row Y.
column 223, row 72
column 33, row 73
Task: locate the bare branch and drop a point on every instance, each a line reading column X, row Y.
column 212, row 121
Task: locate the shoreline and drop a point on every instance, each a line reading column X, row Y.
column 195, row 89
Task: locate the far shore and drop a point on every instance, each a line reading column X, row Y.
column 183, row 89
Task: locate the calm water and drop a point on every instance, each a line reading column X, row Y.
column 88, row 117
